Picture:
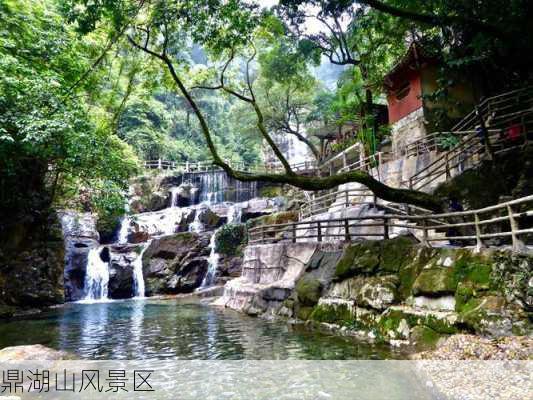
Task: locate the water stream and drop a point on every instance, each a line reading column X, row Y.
column 234, row 216
column 96, row 276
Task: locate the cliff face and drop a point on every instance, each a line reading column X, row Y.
column 388, row 290
column 31, row 268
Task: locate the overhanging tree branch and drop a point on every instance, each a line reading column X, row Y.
column 435, row 19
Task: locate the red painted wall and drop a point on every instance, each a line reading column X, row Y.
column 413, row 101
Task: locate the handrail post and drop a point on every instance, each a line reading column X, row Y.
column 518, row 245
column 347, row 198
column 448, row 173
column 347, row 230
column 425, row 241
column 385, row 228
column 479, row 242
column 411, row 183
column 318, row 231
column 294, row 233
column 159, row 163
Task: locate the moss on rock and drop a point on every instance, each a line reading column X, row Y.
column 435, row 281
column 361, row 258
column 230, row 238
column 333, row 313
column 308, row 290
column 397, row 252
column 424, row 337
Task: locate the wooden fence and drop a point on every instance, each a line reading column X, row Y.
column 504, row 223
column 206, row 166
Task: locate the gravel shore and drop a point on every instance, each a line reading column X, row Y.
column 467, row 367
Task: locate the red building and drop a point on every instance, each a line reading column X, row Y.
column 410, row 113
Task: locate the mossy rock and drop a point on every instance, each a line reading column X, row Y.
column 476, row 270
column 409, row 271
column 334, row 313
column 304, row 313
column 271, row 191
column 229, row 238
column 424, row 338
column 378, row 292
column 393, row 324
column 361, row 258
column 308, row 290
column 435, row 281
column 397, row 252
column 463, row 294
column 390, row 321
column 273, row 219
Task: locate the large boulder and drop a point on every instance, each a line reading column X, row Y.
column 175, row 263
column 121, row 264
column 35, row 352
column 207, row 218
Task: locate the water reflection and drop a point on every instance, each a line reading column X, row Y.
column 169, row 329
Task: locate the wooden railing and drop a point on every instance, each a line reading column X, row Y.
column 205, row 166
column 503, row 104
column 507, row 223
column 335, row 201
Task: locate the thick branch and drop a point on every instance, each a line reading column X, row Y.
column 435, row 20
column 314, row 183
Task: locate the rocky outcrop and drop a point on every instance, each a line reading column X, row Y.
column 393, row 290
column 269, row 275
column 80, row 236
column 35, row 352
column 31, row 274
column 175, row 263
column 147, row 193
column 121, row 264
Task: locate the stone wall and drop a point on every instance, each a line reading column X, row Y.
column 408, row 129
column 394, row 290
column 31, row 274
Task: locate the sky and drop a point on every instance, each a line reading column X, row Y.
column 327, row 72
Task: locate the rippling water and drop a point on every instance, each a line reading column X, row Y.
column 173, row 329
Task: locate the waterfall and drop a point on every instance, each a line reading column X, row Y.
column 216, row 187
column 234, row 214
column 138, row 277
column 234, row 217
column 213, row 259
column 124, row 230
column 196, row 226
column 174, row 196
column 96, row 276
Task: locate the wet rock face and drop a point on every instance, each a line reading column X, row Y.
column 392, row 290
column 207, row 218
column 31, row 274
column 121, row 259
column 175, row 263
column 80, row 236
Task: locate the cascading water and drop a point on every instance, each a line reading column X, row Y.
column 96, row 276
column 234, row 217
column 212, row 268
column 138, row 277
column 196, row 226
column 216, row 187
column 174, row 196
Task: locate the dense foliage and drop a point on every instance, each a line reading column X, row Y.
column 56, row 143
column 89, row 88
